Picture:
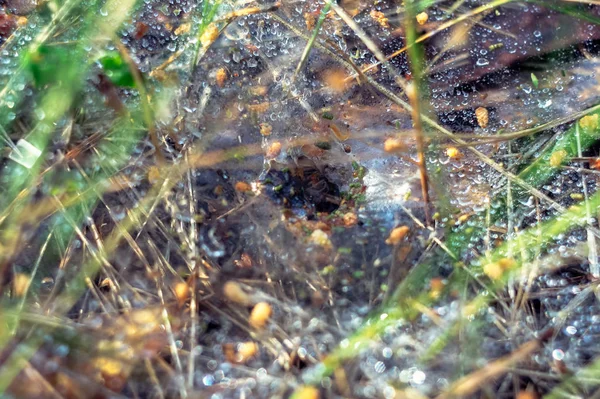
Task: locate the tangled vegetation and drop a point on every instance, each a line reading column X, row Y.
column 305, row 199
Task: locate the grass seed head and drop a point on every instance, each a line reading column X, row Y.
column 242, row 187
column 493, row 270
column 482, row 116
column 422, row 18
column 153, row 174
column 335, row 80
column 109, row 367
column 142, row 322
column 350, row 219
column 210, row 34
column 454, row 153
column 380, row 18
column 557, row 158
column 274, row 150
column 182, row 292
column 221, row 77
column 20, row 284
column 589, row 122
column 306, row 392
column 265, row 129
column 183, row 29
column 260, row 315
column 320, row 238
column 397, row 235
column 507, row 263
column 437, row 286
column 527, row 395
column 258, row 91
column 310, row 20
column 394, row 145
column 463, row 218
column 234, row 292
column 246, row 351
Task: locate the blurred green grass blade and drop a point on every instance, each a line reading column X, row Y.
column 46, row 63
column 15, row 176
column 548, row 163
column 313, row 37
column 208, row 13
column 58, row 98
column 422, row 5
column 18, row 359
column 15, row 74
column 531, row 240
column 117, row 70
column 111, row 158
column 529, row 243
column 55, row 102
column 536, row 174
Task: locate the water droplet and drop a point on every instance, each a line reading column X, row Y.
column 418, row 377
column 379, row 367
column 558, row 354
column 482, row 62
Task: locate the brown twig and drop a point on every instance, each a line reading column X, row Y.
column 471, row 383
column 419, row 137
